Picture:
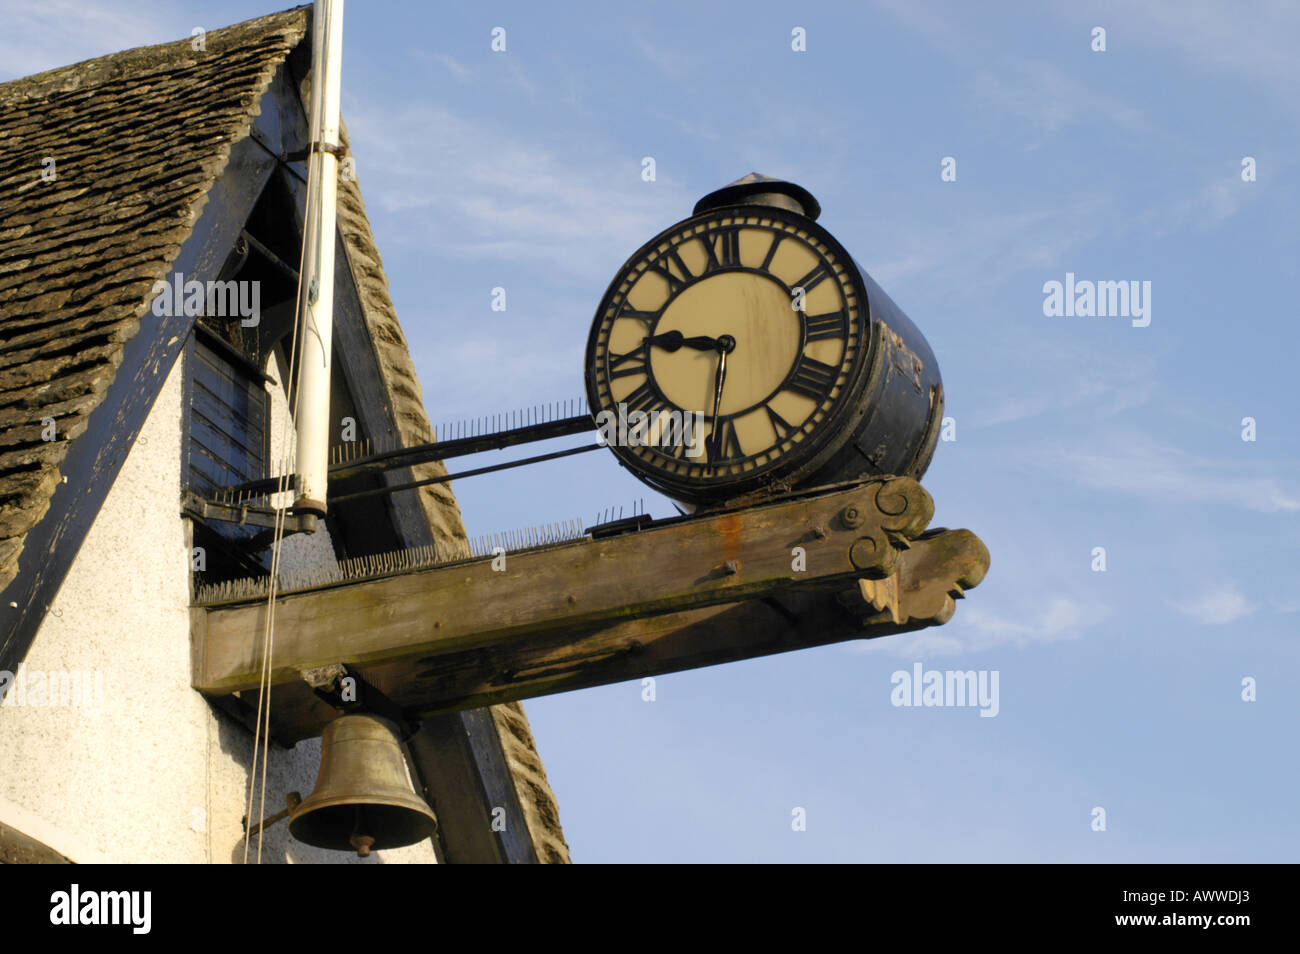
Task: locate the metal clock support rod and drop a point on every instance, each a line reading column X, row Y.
column 444, row 450
column 440, row 450
column 444, row 478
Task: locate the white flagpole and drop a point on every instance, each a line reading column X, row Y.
column 316, row 288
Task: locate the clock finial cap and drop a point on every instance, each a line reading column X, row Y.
column 756, row 189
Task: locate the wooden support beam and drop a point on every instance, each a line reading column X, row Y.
column 685, row 593
column 787, row 620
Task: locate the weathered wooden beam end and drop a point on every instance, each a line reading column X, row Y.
column 846, row 562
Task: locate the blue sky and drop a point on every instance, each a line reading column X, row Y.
column 1120, row 689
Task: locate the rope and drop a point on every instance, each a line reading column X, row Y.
column 262, row 724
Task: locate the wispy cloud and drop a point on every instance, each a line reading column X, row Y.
column 1059, row 618
column 664, row 60
column 1050, row 100
column 1067, row 375
column 1220, row 604
column 42, row 36
column 1140, row 466
column 1252, row 40
column 521, row 80
column 1030, row 90
column 481, row 371
column 976, row 629
column 1203, row 208
column 452, row 65
column 468, row 188
column 559, row 216
column 1255, row 41
column 982, row 248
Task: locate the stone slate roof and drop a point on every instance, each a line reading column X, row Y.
column 138, row 139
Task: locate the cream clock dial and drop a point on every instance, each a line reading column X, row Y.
column 746, row 324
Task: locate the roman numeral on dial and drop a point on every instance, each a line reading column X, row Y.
column 771, row 252
column 813, row 278
column 779, row 424
column 647, row 317
column 724, row 444
column 832, row 325
column 813, row 379
column 723, row 249
column 633, row 362
column 642, row 398
column 675, row 280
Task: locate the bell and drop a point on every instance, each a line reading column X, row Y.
column 363, row 798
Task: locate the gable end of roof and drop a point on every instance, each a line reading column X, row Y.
column 105, row 167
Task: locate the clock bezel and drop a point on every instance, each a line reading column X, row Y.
column 825, row 432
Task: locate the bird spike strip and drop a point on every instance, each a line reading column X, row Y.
column 619, row 512
column 511, row 420
column 389, row 564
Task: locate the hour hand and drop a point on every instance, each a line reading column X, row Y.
column 673, row 340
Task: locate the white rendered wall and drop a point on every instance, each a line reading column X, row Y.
column 151, row 773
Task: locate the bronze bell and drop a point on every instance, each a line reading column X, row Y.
column 363, row 797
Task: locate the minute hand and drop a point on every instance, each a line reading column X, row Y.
column 725, row 344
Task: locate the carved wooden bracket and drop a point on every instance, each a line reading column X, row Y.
column 929, row 576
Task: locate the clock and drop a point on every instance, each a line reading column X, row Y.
column 742, row 351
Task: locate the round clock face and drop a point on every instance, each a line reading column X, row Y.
column 725, row 351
